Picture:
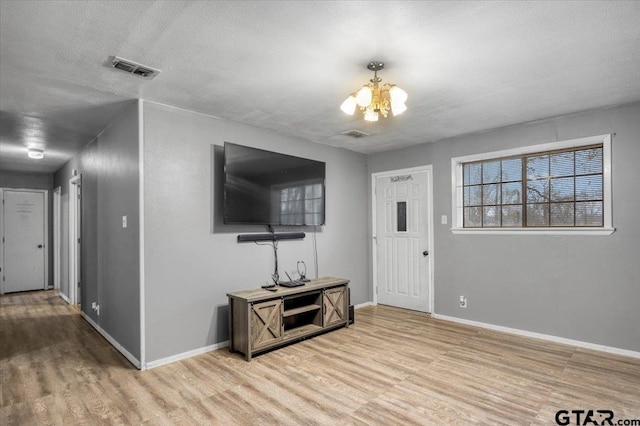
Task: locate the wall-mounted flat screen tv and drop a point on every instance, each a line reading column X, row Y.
column 269, row 188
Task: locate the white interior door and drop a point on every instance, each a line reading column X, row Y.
column 24, row 223
column 74, row 239
column 56, row 236
column 402, row 243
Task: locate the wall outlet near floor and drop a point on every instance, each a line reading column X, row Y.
column 463, row 301
column 95, row 307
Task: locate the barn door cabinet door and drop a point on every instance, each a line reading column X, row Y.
column 335, row 306
column 266, row 323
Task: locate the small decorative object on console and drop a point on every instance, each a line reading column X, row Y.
column 303, row 273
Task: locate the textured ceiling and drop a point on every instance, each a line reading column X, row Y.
column 287, row 66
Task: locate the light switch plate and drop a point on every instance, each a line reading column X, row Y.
column 124, row 221
column 443, row 219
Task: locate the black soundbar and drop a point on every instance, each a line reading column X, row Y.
column 242, row 238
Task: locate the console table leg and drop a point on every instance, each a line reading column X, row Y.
column 231, row 316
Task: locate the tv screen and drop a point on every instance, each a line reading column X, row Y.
column 268, row 188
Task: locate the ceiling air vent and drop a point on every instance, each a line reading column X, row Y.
column 134, row 68
column 355, row 133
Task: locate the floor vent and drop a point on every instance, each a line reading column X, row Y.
column 355, row 133
column 134, row 68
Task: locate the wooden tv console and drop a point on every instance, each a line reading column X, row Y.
column 260, row 320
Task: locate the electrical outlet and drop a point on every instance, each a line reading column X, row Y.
column 93, row 305
column 463, row 301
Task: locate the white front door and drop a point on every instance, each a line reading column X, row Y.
column 402, row 224
column 24, row 240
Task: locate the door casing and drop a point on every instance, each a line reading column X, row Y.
column 74, row 234
column 57, row 203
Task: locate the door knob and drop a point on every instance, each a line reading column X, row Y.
column 425, row 253
column 39, row 245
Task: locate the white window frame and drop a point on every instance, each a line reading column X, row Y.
column 457, row 194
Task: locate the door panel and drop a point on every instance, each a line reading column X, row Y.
column 402, row 255
column 336, row 306
column 402, row 235
column 266, row 323
column 24, row 250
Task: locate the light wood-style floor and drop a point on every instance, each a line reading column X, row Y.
column 392, row 367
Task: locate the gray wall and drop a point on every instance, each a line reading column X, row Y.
column 110, row 254
column 34, row 181
column 585, row 288
column 192, row 260
column 26, row 180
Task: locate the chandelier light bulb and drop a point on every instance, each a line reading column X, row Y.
column 349, row 105
column 371, row 115
column 398, row 108
column 398, row 95
column 364, row 96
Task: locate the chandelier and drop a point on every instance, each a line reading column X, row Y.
column 375, row 98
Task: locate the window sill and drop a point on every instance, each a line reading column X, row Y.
column 533, row 231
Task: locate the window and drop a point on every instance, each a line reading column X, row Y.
column 300, row 203
column 401, row 216
column 561, row 187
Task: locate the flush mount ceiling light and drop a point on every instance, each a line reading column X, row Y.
column 37, row 154
column 375, row 98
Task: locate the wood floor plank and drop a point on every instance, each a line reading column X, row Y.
column 391, row 367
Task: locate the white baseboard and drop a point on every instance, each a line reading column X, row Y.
column 65, row 298
column 185, row 355
column 200, row 351
column 205, row 349
column 547, row 337
column 132, row 359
